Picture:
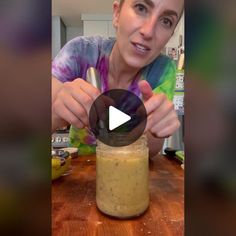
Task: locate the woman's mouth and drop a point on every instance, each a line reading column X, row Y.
column 141, row 48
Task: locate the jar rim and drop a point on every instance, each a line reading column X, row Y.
column 141, row 142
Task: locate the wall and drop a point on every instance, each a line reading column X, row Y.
column 72, row 32
column 63, row 33
column 58, row 35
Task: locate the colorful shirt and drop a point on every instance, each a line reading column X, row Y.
column 83, row 52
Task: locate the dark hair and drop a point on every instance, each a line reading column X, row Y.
column 121, row 2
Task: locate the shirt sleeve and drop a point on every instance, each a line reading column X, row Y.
column 65, row 66
column 76, row 57
column 167, row 81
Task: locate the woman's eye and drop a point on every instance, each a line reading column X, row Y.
column 167, row 22
column 140, row 8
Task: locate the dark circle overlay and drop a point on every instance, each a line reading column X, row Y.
column 126, row 102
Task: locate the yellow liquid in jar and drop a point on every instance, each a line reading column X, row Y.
column 122, row 183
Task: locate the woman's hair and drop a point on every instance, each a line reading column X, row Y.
column 121, row 2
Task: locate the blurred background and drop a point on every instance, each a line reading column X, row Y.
column 210, row 99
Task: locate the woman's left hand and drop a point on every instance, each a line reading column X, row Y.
column 162, row 120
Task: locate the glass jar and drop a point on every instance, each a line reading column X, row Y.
column 122, row 179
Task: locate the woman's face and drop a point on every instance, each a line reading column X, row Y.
column 144, row 27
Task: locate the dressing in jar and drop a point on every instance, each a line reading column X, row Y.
column 122, row 179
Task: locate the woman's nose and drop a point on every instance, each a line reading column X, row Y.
column 148, row 28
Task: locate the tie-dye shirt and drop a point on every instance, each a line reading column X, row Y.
column 83, row 52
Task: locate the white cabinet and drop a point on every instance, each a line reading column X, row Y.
column 98, row 25
column 92, row 28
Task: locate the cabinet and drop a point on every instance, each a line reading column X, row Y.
column 97, row 25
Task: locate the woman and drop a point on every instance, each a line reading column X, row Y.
column 131, row 61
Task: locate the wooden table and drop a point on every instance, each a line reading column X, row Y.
column 74, row 210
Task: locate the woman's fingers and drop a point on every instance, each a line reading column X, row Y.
column 60, row 110
column 83, row 99
column 163, row 108
column 153, row 103
column 77, row 110
column 166, row 126
column 83, row 92
column 162, row 120
column 73, row 102
column 145, row 89
column 87, row 88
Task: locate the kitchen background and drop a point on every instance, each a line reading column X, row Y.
column 72, row 18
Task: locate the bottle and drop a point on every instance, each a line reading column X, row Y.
column 122, row 179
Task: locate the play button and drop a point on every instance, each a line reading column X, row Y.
column 117, row 117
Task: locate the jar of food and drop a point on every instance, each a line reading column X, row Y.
column 122, row 179
column 61, row 163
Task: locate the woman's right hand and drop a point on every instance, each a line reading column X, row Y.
column 71, row 102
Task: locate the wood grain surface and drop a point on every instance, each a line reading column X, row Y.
column 74, row 210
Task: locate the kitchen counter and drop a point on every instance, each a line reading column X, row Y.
column 74, row 210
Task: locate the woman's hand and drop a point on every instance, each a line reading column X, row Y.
column 71, row 102
column 162, row 120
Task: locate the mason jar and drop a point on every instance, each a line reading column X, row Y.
column 122, row 179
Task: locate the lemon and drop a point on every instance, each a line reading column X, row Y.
column 56, row 163
column 57, row 167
